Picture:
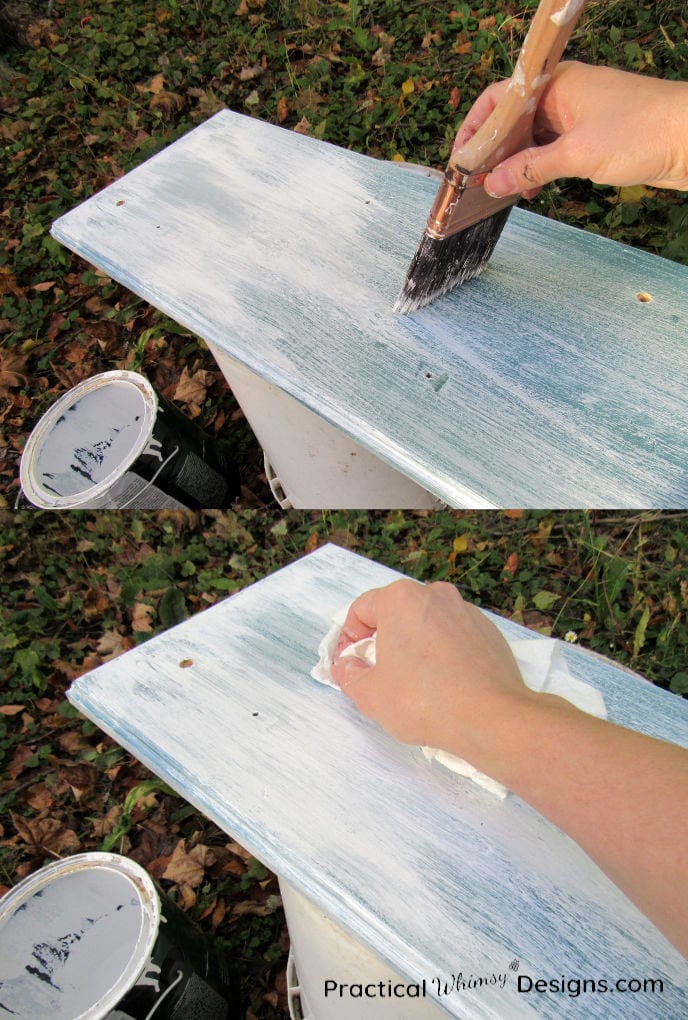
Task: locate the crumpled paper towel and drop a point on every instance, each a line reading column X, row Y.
column 540, row 660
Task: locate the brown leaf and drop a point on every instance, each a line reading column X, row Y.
column 239, row 850
column 186, row 897
column 455, row 98
column 429, row 38
column 47, row 834
column 39, row 798
column 303, row 127
column 282, row 109
column 141, row 618
column 167, row 102
column 12, row 375
column 193, row 389
column 80, row 776
column 73, row 741
column 511, row 565
column 249, row 73
column 18, row 763
column 112, row 644
column 155, row 85
column 11, row 709
column 252, row 908
column 108, row 822
column 94, row 603
column 188, row 868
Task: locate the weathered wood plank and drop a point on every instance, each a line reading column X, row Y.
column 434, row 874
column 544, row 383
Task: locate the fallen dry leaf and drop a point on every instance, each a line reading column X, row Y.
column 192, row 390
column 80, row 777
column 167, row 103
column 39, row 798
column 112, row 644
column 107, row 823
column 282, row 109
column 188, row 868
column 303, row 127
column 141, row 618
column 45, row 834
column 12, row 375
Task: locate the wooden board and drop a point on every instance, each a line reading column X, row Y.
column 544, row 383
column 434, row 874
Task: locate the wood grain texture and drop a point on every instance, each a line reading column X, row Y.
column 543, row 383
column 432, row 873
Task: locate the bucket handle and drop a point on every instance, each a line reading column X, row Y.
column 180, row 975
column 147, row 486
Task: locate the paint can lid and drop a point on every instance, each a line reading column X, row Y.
column 75, row 936
column 87, row 439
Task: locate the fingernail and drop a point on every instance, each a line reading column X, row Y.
column 501, row 182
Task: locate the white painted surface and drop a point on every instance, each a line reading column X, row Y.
column 433, row 874
column 543, row 383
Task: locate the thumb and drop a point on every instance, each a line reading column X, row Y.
column 348, row 672
column 527, row 171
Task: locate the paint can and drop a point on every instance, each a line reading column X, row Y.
column 112, row 442
column 89, row 938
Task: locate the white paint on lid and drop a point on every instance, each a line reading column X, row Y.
column 85, row 442
column 74, row 937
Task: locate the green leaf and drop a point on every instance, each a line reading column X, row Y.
column 615, row 575
column 172, row 607
column 679, row 683
column 641, row 628
column 544, row 600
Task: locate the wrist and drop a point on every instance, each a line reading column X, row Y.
column 504, row 738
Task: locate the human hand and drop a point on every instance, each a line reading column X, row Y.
column 610, row 126
column 444, row 672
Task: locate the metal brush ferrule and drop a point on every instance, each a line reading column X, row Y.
column 456, row 181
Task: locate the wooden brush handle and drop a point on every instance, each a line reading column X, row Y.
column 509, row 127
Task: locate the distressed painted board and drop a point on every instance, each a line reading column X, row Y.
column 431, row 872
column 543, row 383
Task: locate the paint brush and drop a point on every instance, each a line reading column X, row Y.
column 465, row 223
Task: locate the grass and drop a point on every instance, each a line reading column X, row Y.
column 77, row 589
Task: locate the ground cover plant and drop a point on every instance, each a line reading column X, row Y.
column 91, row 90
column 78, row 589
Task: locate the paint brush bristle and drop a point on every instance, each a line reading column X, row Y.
column 440, row 265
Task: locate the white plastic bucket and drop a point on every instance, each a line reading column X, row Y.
column 88, row 938
column 112, row 442
column 310, row 464
column 323, row 952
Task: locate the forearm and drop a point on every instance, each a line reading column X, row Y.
column 619, row 794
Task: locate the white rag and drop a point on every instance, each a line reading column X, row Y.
column 540, row 660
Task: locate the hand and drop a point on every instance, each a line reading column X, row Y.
column 443, row 669
column 445, row 677
column 610, row 126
